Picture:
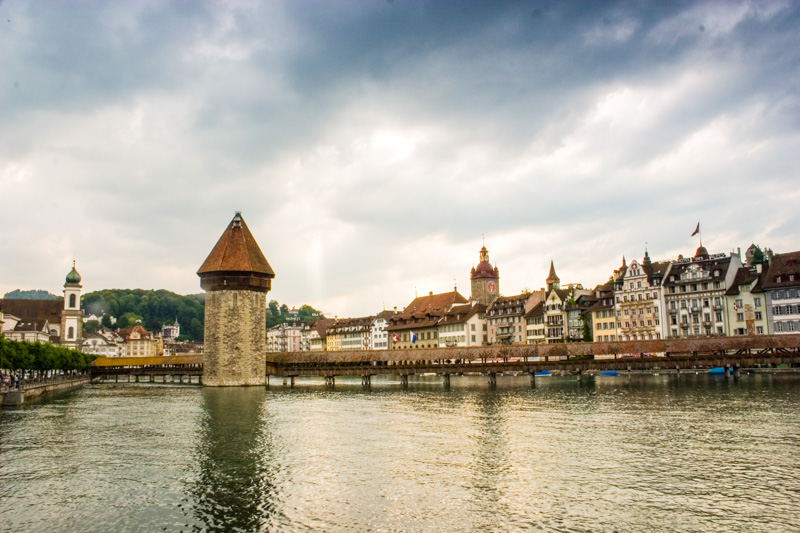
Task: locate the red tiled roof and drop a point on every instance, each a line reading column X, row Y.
column 236, row 251
column 783, row 267
column 33, row 310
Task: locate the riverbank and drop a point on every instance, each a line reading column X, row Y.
column 30, row 388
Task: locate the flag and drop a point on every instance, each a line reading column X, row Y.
column 696, row 230
column 413, row 337
column 395, row 338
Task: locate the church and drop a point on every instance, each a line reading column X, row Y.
column 54, row 321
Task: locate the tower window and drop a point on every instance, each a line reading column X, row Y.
column 71, row 332
column 72, row 300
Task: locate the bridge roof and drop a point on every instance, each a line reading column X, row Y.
column 188, row 359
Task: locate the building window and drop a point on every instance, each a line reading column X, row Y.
column 72, row 300
column 758, row 315
column 71, row 333
column 756, row 302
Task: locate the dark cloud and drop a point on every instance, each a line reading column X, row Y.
column 370, row 144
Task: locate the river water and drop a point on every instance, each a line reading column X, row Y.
column 647, row 453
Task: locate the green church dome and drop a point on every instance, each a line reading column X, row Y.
column 73, row 277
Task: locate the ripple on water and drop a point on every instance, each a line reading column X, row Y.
column 645, row 454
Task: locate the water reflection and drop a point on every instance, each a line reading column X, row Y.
column 231, row 492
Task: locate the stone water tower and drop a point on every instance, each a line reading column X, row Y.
column 236, row 277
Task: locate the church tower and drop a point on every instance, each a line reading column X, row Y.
column 72, row 315
column 236, row 277
column 485, row 280
column 553, row 281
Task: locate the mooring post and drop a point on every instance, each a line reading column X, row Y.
column 366, row 381
column 404, row 380
column 291, row 381
column 727, row 370
column 446, row 380
column 533, row 379
column 580, row 375
column 737, row 371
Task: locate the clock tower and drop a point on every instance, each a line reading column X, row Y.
column 485, row 280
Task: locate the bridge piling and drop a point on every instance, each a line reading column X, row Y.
column 492, row 379
column 580, row 375
column 446, row 380
column 366, row 381
column 533, row 379
column 404, row 380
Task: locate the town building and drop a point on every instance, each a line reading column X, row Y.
column 170, row 332
column 639, row 299
column 417, row 325
column 289, row 336
column 506, row 319
column 782, row 288
column 694, row 293
column 534, row 325
column 746, row 304
column 317, row 334
column 603, row 314
column 138, row 342
column 380, row 337
column 350, row 334
column 103, row 343
column 561, row 310
column 463, row 326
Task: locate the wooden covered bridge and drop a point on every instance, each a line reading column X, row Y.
column 733, row 353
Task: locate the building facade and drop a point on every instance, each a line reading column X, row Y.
column 694, row 294
column 782, row 288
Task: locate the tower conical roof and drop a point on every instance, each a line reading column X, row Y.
column 236, row 251
column 551, row 277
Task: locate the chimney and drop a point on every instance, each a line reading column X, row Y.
column 430, row 293
column 759, row 267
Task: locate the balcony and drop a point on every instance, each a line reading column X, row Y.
column 673, row 311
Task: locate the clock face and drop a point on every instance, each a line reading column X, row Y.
column 491, row 286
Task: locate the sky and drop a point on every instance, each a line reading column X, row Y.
column 372, row 146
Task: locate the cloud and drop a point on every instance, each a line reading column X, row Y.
column 371, row 145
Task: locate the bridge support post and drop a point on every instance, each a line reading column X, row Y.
column 736, row 371
column 366, row 381
column 492, row 379
column 404, row 380
column 727, row 371
column 580, row 375
column 330, row 381
column 291, row 381
column 533, row 379
column 152, row 378
column 446, row 380
column 116, row 378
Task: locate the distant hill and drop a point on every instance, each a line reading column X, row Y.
column 36, row 294
column 153, row 308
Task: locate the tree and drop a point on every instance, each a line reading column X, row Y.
column 91, row 326
column 128, row 320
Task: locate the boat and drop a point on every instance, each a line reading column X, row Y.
column 542, row 373
column 609, row 373
column 717, row 371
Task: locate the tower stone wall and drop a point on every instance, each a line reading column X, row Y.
column 235, row 338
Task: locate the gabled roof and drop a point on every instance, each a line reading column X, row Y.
column 745, row 276
column 536, row 310
column 236, row 251
column 783, row 267
column 461, row 313
column 432, row 302
column 33, row 310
